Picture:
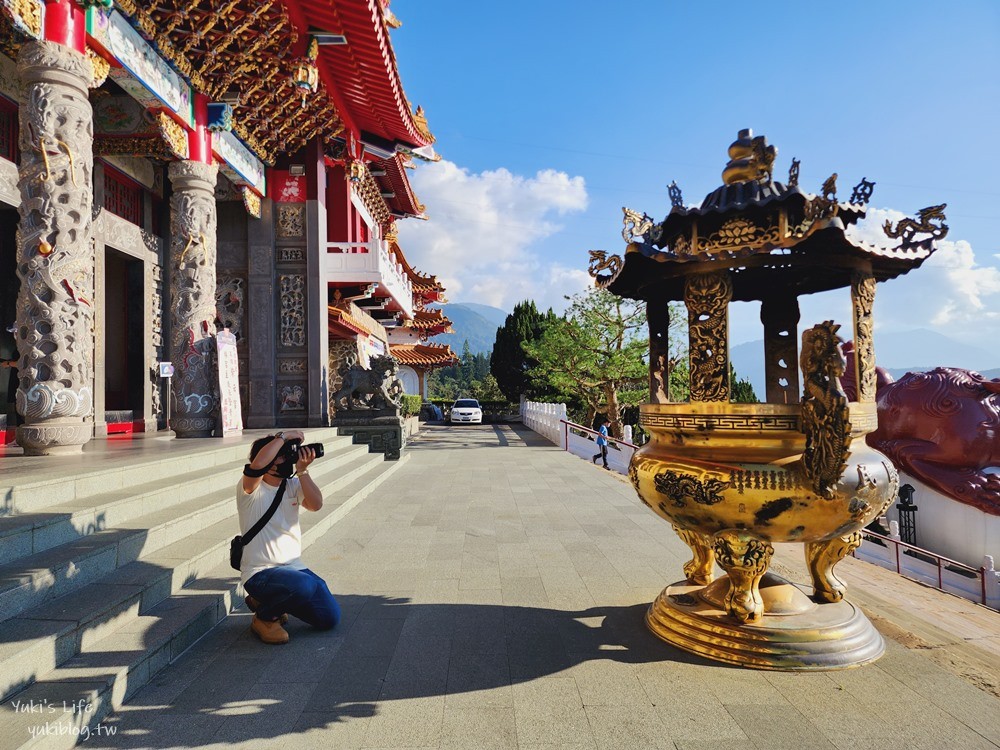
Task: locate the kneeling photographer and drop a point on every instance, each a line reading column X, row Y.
column 276, row 580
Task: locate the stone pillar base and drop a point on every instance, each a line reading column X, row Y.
column 192, row 428
column 383, row 433
column 55, row 437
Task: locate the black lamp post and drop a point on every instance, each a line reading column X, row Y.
column 907, row 515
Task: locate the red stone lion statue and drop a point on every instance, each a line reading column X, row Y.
column 943, row 428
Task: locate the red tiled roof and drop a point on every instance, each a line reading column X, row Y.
column 424, row 355
column 426, row 320
column 344, row 318
column 396, row 181
column 363, row 73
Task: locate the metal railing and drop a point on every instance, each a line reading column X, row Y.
column 925, row 566
column 582, row 441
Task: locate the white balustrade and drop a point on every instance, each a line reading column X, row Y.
column 545, row 419
column 367, row 262
column 549, row 421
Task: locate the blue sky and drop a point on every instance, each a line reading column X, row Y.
column 551, row 116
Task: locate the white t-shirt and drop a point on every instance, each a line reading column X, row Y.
column 280, row 541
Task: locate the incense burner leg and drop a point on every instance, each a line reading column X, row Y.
column 700, row 569
column 745, row 558
column 821, row 557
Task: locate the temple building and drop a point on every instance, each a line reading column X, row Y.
column 170, row 169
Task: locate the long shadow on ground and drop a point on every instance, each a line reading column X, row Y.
column 384, row 650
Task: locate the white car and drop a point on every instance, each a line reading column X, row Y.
column 466, row 411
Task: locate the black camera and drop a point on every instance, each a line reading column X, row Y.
column 291, row 450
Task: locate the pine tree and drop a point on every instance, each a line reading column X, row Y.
column 509, row 364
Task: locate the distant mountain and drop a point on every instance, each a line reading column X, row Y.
column 473, row 322
column 493, row 314
column 898, row 352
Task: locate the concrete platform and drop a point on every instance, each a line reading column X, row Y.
column 493, row 592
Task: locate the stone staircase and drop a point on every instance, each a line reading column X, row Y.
column 109, row 575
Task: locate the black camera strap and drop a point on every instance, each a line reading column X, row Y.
column 246, row 538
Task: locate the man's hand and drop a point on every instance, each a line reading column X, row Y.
column 312, row 498
column 306, row 457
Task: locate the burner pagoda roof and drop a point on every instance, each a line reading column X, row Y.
column 424, row 355
column 769, row 234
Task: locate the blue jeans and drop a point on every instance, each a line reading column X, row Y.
column 300, row 593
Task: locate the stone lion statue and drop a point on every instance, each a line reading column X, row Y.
column 374, row 388
column 941, row 427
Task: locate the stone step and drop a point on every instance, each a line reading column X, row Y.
column 22, row 490
column 46, row 635
column 115, row 662
column 29, row 533
column 34, row 579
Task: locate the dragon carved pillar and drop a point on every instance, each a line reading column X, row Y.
column 707, row 297
column 55, row 252
column 193, row 222
column 863, row 299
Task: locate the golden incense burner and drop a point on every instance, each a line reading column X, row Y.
column 732, row 478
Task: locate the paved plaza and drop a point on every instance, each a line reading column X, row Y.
column 493, row 593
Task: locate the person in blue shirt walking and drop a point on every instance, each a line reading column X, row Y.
column 602, row 442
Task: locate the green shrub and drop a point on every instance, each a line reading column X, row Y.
column 411, row 405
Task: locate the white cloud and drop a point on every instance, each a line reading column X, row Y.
column 481, row 228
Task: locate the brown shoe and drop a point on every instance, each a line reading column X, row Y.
column 253, row 605
column 269, row 632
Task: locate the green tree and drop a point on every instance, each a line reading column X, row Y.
column 468, row 365
column 509, row 362
column 487, row 389
column 595, row 351
column 741, row 389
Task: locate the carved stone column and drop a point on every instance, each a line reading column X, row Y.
column 863, row 299
column 707, row 297
column 193, row 224
column 780, row 317
column 55, row 253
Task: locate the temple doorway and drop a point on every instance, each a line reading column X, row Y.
column 9, row 285
column 124, row 369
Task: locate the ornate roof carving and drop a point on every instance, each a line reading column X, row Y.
column 766, row 233
column 244, row 49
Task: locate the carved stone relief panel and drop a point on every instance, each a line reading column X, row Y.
column 290, row 255
column 260, row 260
column 291, row 398
column 296, row 366
column 291, row 220
column 232, row 255
column 156, row 300
column 293, row 313
column 230, row 304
